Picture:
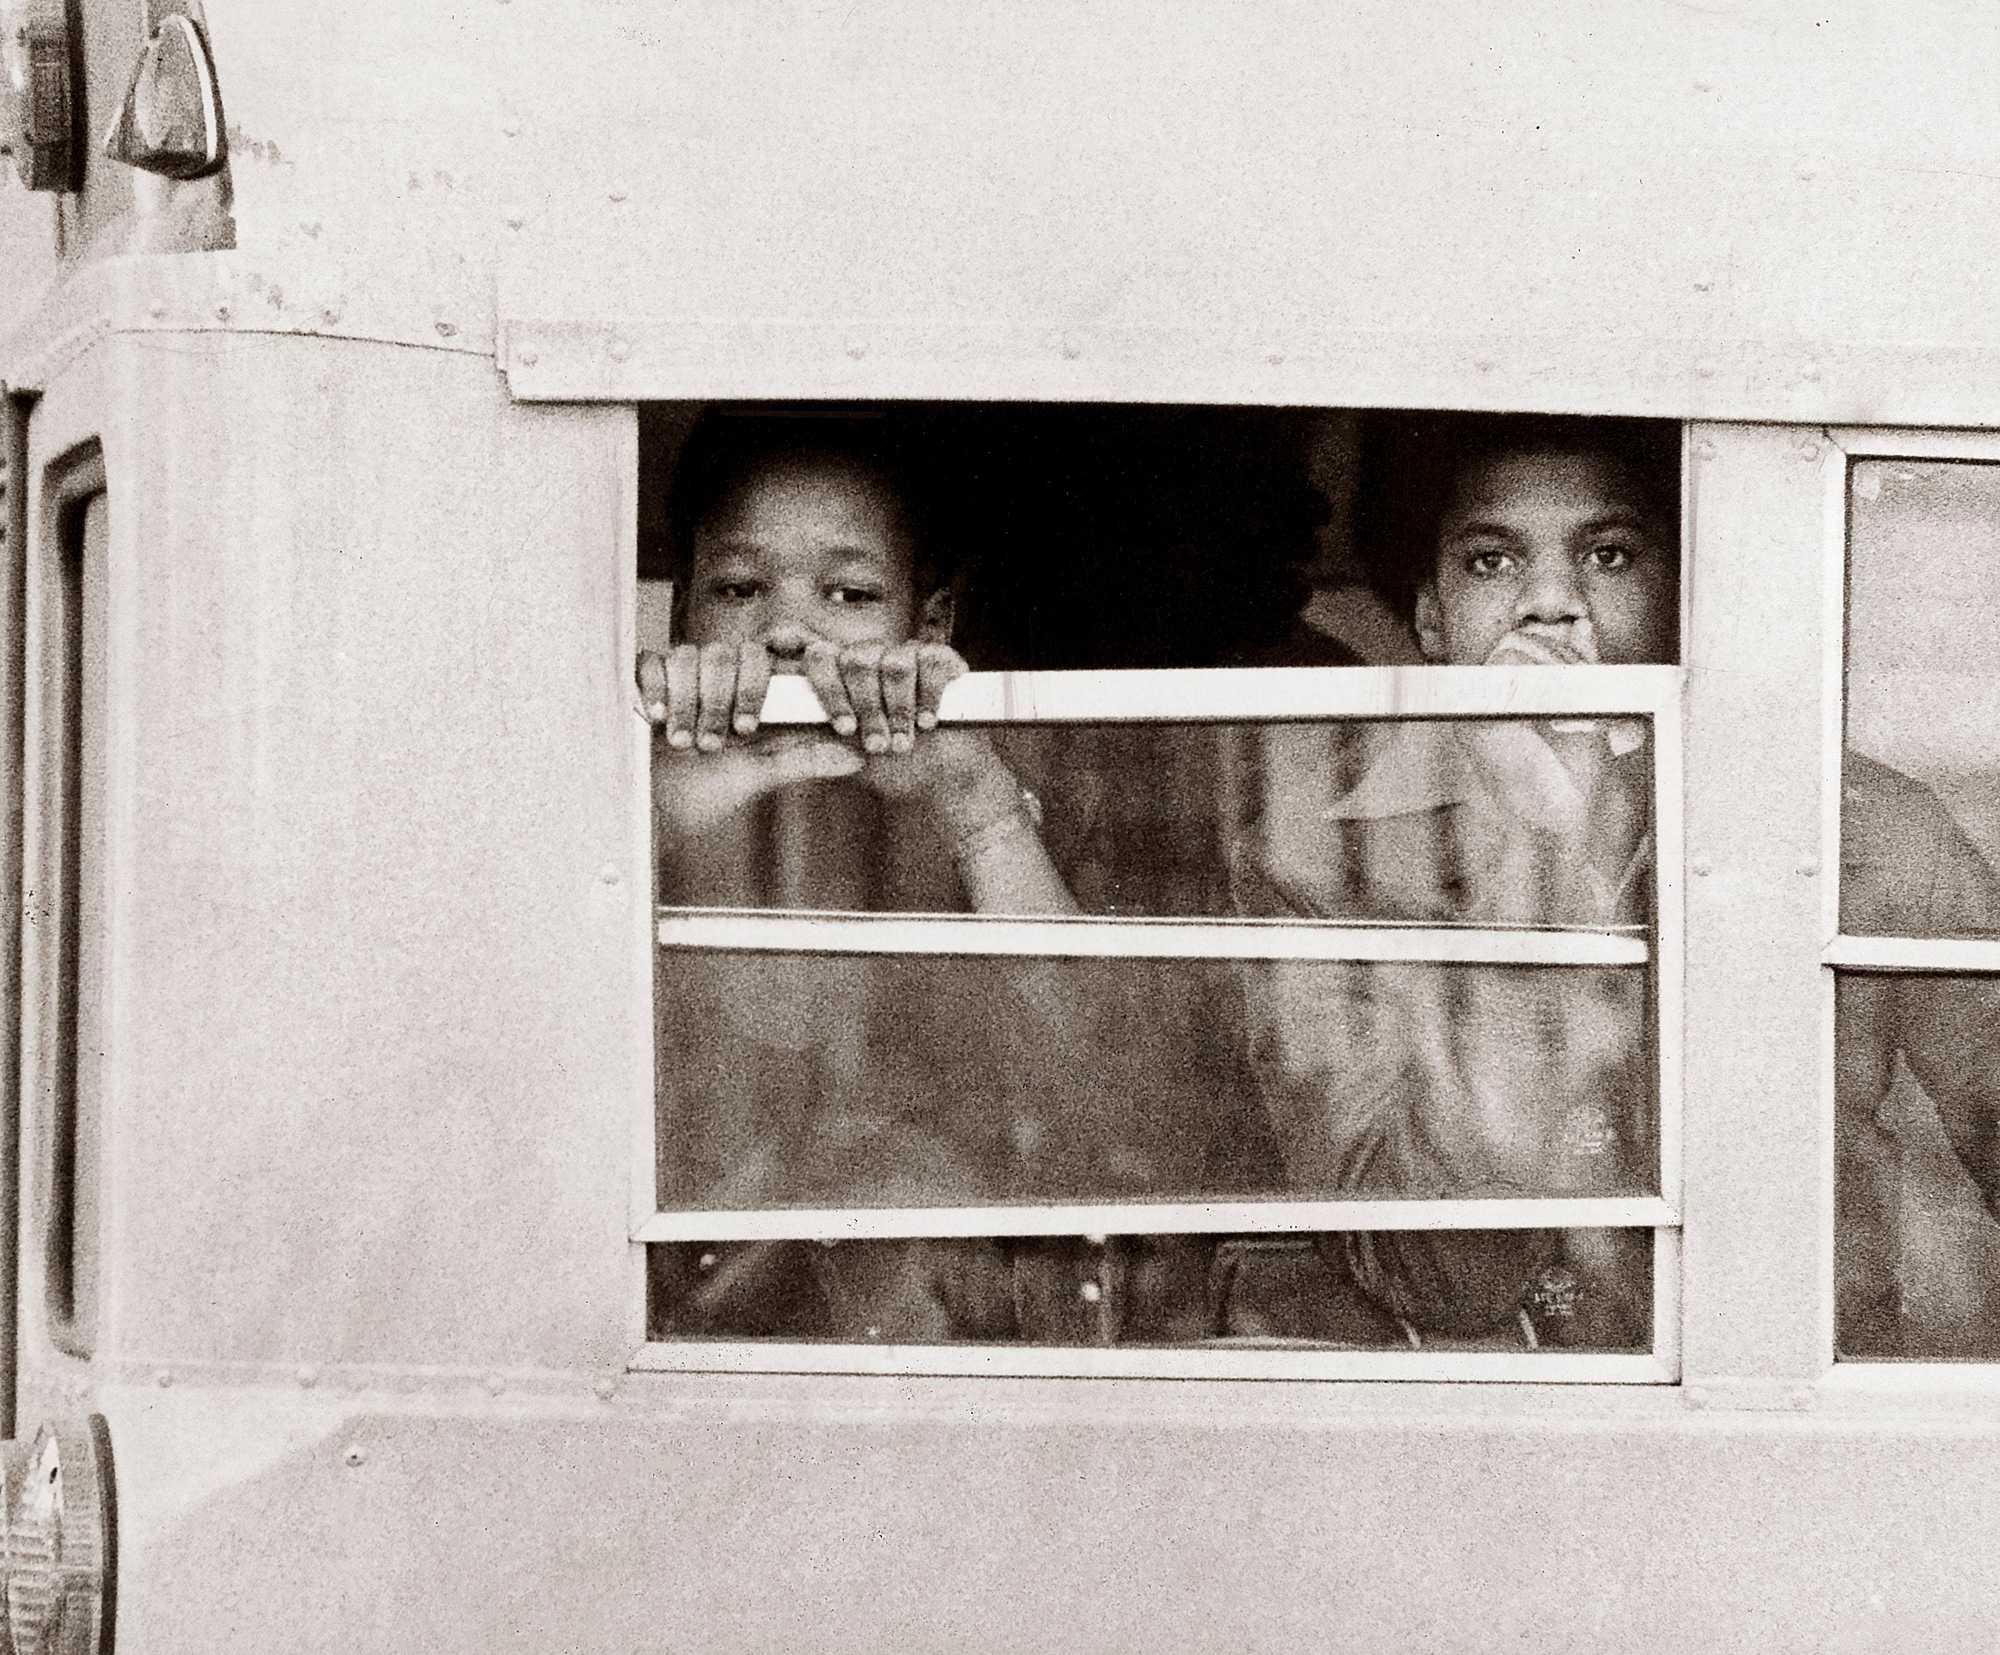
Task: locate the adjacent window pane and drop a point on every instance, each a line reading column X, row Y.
column 885, row 1081
column 1917, row 1135
column 1921, row 797
column 1468, row 821
column 1497, row 1290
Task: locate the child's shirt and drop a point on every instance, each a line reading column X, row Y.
column 1433, row 1081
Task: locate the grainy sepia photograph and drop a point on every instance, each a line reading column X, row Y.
column 870, row 825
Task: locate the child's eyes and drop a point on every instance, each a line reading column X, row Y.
column 1612, row 555
column 1490, row 560
column 733, row 591
column 854, row 594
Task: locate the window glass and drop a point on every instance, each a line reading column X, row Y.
column 1917, row 1103
column 876, row 1081
column 1467, row 822
column 1503, row 1291
column 1921, row 796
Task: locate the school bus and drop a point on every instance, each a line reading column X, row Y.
column 344, row 348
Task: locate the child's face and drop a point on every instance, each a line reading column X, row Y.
column 1550, row 556
column 805, row 549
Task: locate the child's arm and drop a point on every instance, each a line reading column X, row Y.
column 956, row 773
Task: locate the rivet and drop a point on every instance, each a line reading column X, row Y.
column 163, row 1378
column 1697, row 1397
column 527, row 356
column 605, row 1389
column 330, row 315
column 308, row 1375
column 1806, row 172
column 310, row 226
column 1803, row 1399
column 1704, row 370
column 856, row 349
column 608, row 874
column 619, row 348
column 707, row 1261
column 510, row 128
column 1810, row 373
column 1482, row 364
column 1703, row 869
column 1276, row 359
column 874, row 1333
column 1091, row 1292
column 514, row 218
column 617, row 192
column 1808, row 868
column 1704, row 86
column 222, row 313
column 446, row 330
column 1808, row 448
column 1705, row 449
column 1070, row 348
column 495, row 1384
column 1097, row 1240
column 356, row 1455
column 157, row 311
column 1704, row 284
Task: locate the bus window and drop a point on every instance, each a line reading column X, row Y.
column 1918, row 1020
column 68, row 889
column 1295, row 1007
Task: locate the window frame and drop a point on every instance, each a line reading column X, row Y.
column 1214, row 696
column 1864, row 1377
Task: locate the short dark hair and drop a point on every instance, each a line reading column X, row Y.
column 729, row 443
column 1411, row 465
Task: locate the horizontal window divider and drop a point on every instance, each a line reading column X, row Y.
column 1968, row 954
column 1869, row 442
column 1184, row 695
column 795, row 931
column 1160, row 1218
column 1216, row 1359
column 1911, row 1381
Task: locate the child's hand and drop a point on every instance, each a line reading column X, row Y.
column 888, row 695
column 701, row 692
column 709, row 699
column 885, row 693
column 1547, row 644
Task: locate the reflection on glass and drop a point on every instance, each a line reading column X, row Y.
column 1546, row 1290
column 885, row 1081
column 873, row 1081
column 1487, row 821
column 1917, row 1139
column 1920, row 816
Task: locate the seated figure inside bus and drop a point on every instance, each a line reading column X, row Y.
column 1535, row 541
column 1907, row 868
column 814, row 545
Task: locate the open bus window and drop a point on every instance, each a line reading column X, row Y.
column 1261, row 990
column 1917, row 1074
